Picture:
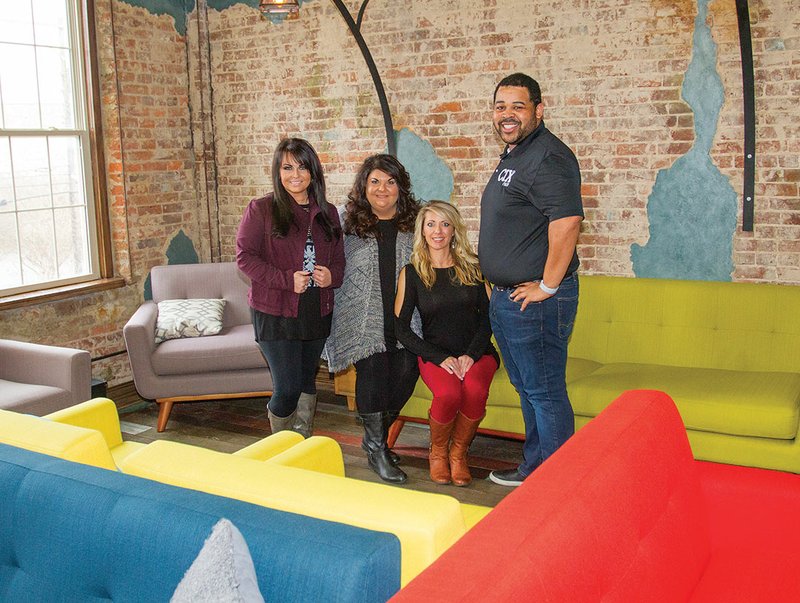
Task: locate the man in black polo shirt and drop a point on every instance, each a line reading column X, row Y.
column 531, row 212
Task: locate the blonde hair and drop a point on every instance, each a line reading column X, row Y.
column 465, row 261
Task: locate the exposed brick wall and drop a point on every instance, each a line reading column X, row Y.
column 611, row 73
column 191, row 121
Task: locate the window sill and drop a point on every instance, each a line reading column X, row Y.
column 48, row 295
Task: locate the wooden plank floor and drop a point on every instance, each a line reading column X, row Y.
column 228, row 425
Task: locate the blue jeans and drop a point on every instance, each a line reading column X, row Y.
column 533, row 344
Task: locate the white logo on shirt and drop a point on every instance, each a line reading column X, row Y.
column 505, row 176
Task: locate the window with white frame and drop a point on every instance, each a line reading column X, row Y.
column 48, row 228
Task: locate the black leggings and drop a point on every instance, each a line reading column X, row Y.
column 293, row 364
column 385, row 381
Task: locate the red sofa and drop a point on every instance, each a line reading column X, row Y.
column 621, row 513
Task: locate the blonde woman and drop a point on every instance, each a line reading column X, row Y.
column 455, row 355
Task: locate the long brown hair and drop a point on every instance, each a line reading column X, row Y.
column 359, row 218
column 466, row 269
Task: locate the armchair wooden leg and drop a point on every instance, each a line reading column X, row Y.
column 394, row 432
column 164, row 408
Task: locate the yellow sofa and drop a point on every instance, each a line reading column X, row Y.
column 727, row 353
column 426, row 524
column 283, row 471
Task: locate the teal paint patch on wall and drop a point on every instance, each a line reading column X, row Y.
column 180, row 251
column 692, row 207
column 177, row 9
column 430, row 176
column 223, row 4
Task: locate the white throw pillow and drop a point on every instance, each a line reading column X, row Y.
column 223, row 571
column 188, row 318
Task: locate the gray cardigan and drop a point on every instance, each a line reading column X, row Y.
column 357, row 328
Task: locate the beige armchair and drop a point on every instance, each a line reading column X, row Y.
column 227, row 365
column 39, row 379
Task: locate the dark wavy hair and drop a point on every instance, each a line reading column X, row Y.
column 359, row 219
column 282, row 202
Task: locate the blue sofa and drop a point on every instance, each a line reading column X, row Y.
column 71, row 532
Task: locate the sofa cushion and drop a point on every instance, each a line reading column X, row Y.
column 502, row 393
column 233, row 349
column 731, row 402
column 754, row 534
column 188, row 318
column 32, row 398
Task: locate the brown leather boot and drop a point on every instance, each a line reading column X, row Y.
column 463, row 434
column 440, row 440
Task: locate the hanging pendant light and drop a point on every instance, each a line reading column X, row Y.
column 290, row 9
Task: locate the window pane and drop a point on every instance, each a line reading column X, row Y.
column 55, row 81
column 50, row 23
column 31, row 172
column 16, row 24
column 72, row 242
column 10, row 275
column 36, row 236
column 47, row 222
column 19, row 88
column 66, row 171
column 6, row 184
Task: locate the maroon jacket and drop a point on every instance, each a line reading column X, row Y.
column 271, row 262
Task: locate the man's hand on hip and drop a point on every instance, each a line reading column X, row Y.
column 528, row 293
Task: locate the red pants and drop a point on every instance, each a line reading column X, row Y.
column 451, row 395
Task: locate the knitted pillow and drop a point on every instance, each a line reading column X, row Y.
column 188, row 318
column 223, row 571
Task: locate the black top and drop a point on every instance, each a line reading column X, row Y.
column 387, row 268
column 308, row 325
column 538, row 181
column 455, row 318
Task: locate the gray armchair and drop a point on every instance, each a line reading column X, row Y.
column 227, row 365
column 40, row 379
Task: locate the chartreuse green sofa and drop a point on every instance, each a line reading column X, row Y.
column 727, row 353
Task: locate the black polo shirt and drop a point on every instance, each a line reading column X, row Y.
column 537, row 182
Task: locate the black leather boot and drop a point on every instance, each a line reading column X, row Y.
column 391, row 417
column 374, row 443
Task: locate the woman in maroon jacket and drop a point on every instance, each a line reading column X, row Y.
column 290, row 245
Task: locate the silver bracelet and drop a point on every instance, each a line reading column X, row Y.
column 546, row 289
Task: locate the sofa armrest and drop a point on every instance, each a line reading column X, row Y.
column 66, row 368
column 139, row 333
column 68, row 442
column 268, row 447
column 99, row 414
column 318, row 453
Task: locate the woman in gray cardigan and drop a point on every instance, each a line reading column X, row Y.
column 379, row 230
